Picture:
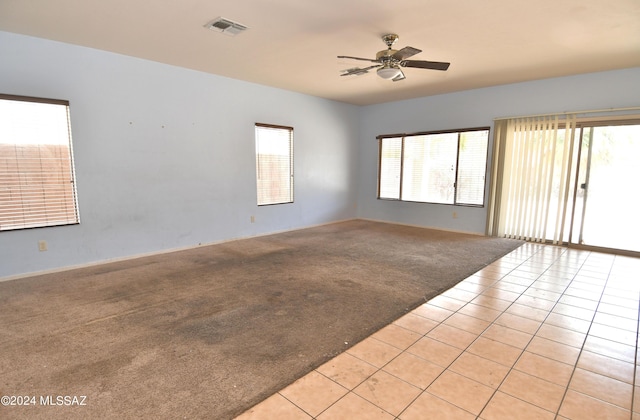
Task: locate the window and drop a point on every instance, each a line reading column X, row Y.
column 37, row 181
column 438, row 167
column 274, row 164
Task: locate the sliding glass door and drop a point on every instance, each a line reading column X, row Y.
column 607, row 191
column 567, row 181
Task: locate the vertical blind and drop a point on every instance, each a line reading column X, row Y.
column 37, row 182
column 274, row 164
column 531, row 178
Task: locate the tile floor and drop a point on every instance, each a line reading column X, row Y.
column 544, row 333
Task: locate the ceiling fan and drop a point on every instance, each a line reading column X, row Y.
column 389, row 61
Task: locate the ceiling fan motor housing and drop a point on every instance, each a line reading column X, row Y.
column 385, row 55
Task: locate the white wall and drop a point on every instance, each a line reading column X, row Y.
column 475, row 108
column 165, row 156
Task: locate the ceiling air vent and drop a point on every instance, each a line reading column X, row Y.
column 226, row 26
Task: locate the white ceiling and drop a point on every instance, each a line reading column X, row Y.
column 293, row 44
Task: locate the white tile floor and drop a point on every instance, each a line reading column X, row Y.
column 544, row 333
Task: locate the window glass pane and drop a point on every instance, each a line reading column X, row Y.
column 37, row 183
column 390, row 155
column 274, row 165
column 472, row 162
column 429, row 168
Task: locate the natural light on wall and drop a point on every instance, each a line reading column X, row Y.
column 37, row 181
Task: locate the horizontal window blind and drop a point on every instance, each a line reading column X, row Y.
column 472, row 166
column 438, row 167
column 429, row 168
column 37, row 182
column 390, row 167
column 274, row 164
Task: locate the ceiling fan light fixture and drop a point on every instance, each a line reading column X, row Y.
column 388, row 72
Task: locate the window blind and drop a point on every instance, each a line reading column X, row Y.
column 445, row 167
column 390, row 168
column 533, row 165
column 429, row 171
column 472, row 166
column 37, row 180
column 274, row 164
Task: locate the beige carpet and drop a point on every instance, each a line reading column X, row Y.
column 209, row 332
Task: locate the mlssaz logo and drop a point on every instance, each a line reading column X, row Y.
column 65, row 400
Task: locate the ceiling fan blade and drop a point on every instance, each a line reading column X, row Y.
column 406, row 52
column 431, row 65
column 358, row 58
column 358, row 71
column 399, row 77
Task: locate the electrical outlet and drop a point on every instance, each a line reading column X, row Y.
column 253, row 219
column 455, row 215
column 42, row 245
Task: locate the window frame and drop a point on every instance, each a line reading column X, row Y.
column 290, row 199
column 69, row 202
column 403, row 136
